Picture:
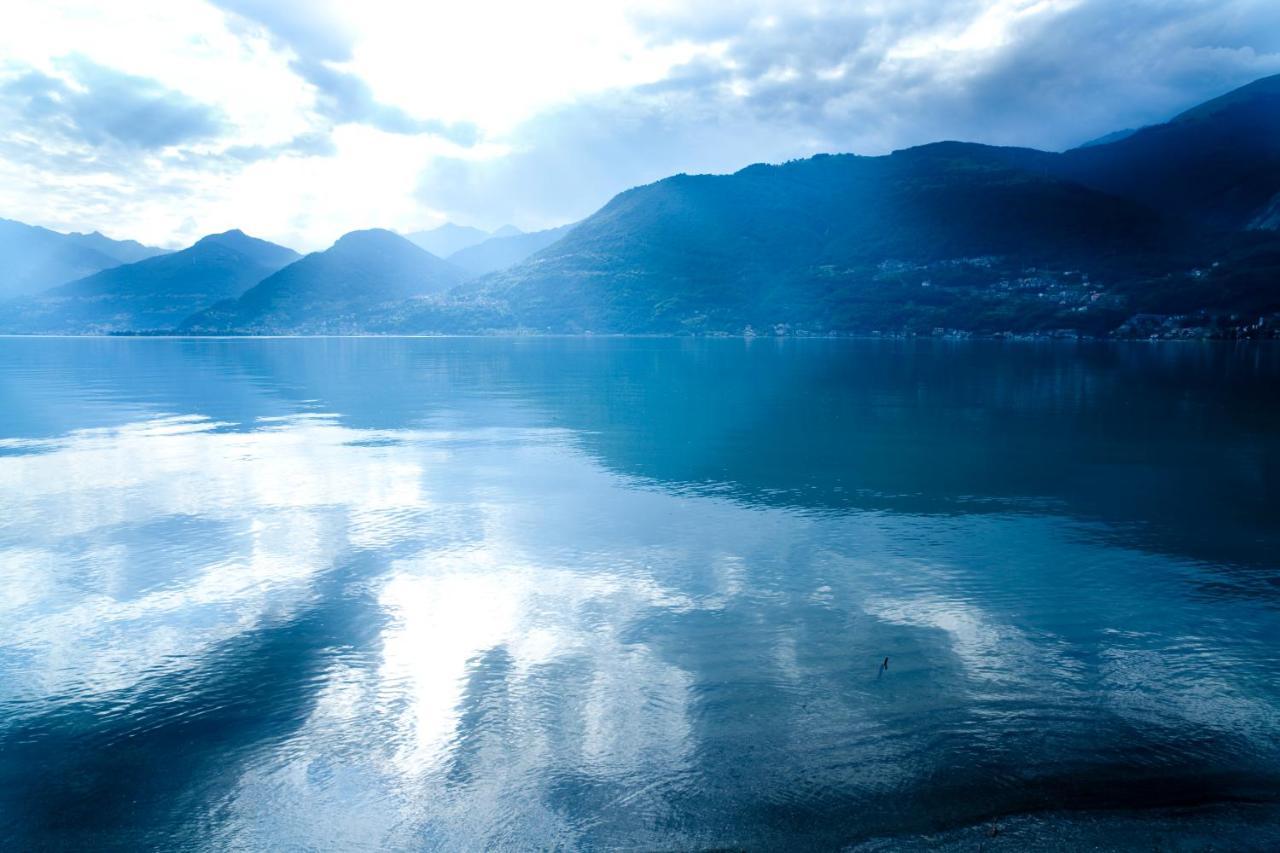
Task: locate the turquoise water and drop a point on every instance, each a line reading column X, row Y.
column 461, row 594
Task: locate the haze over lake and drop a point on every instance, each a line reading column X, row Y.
column 617, row 593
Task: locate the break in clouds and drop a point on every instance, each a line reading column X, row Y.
column 167, row 155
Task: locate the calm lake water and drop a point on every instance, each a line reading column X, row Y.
column 464, row 594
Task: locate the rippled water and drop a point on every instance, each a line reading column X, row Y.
column 634, row 594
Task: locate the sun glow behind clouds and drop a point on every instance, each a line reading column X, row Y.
column 496, row 64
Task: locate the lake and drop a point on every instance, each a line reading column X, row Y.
column 463, row 594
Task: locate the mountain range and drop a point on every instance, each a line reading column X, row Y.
column 154, row 294
column 828, row 242
column 504, row 250
column 330, row 292
column 450, row 238
column 949, row 235
column 1168, row 230
column 35, row 259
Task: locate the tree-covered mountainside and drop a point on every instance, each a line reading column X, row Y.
column 505, row 250
column 1217, row 164
column 332, row 291
column 1166, row 227
column 33, row 259
column 152, row 294
column 833, row 242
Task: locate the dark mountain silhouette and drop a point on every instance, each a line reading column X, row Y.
column 500, row 252
column 153, row 294
column 330, row 291
column 1217, row 164
column 33, row 259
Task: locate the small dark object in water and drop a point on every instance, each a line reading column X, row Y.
column 885, row 665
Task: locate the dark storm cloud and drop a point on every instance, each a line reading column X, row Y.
column 107, row 108
column 342, row 97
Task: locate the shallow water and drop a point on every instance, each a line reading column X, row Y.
column 457, row 594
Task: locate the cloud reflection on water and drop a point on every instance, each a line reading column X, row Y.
column 389, row 630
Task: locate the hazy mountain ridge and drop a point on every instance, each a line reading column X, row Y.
column 443, row 240
column 152, row 294
column 502, row 251
column 33, row 259
column 124, row 251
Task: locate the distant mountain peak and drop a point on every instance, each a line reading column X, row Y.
column 450, row 226
column 444, row 240
column 371, row 237
column 238, row 241
column 505, row 250
column 507, row 231
column 34, row 258
column 233, row 234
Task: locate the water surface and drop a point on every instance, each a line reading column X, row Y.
column 453, row 594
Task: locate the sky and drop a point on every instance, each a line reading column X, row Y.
column 166, row 120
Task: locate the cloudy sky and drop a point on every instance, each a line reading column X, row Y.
column 298, row 121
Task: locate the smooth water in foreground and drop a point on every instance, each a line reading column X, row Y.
column 462, row 594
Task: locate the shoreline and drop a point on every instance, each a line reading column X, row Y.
column 1005, row 337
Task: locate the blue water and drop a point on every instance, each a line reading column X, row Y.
column 452, row 594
